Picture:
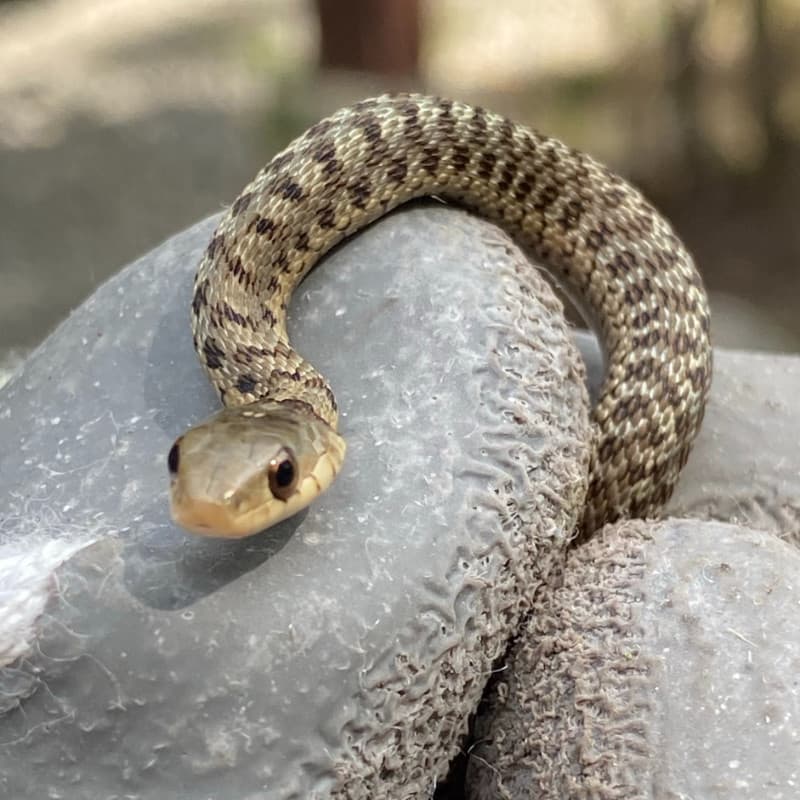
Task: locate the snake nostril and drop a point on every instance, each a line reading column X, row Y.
column 174, row 458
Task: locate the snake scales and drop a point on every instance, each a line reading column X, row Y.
column 274, row 446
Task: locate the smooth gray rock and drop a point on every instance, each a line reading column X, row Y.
column 746, row 467
column 340, row 654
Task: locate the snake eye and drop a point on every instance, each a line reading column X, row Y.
column 282, row 474
column 174, row 458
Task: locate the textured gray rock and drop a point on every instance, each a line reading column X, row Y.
column 340, row 654
column 665, row 664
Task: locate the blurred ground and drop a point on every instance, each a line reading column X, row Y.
column 123, row 121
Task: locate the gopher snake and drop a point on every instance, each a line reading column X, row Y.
column 275, row 447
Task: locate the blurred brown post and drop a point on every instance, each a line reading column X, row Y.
column 380, row 36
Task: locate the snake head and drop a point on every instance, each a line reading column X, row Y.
column 248, row 467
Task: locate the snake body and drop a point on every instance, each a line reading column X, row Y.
column 274, row 447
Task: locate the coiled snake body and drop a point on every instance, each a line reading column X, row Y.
column 274, row 446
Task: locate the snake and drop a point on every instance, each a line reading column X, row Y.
column 274, row 447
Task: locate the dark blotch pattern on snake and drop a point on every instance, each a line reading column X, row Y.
column 617, row 257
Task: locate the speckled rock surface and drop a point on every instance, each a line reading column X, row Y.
column 340, row 654
column 665, row 664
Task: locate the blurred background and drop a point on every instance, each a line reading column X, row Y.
column 124, row 121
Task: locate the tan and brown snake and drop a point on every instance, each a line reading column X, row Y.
column 275, row 447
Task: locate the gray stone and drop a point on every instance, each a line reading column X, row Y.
column 340, row 653
column 664, row 665
column 746, row 467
